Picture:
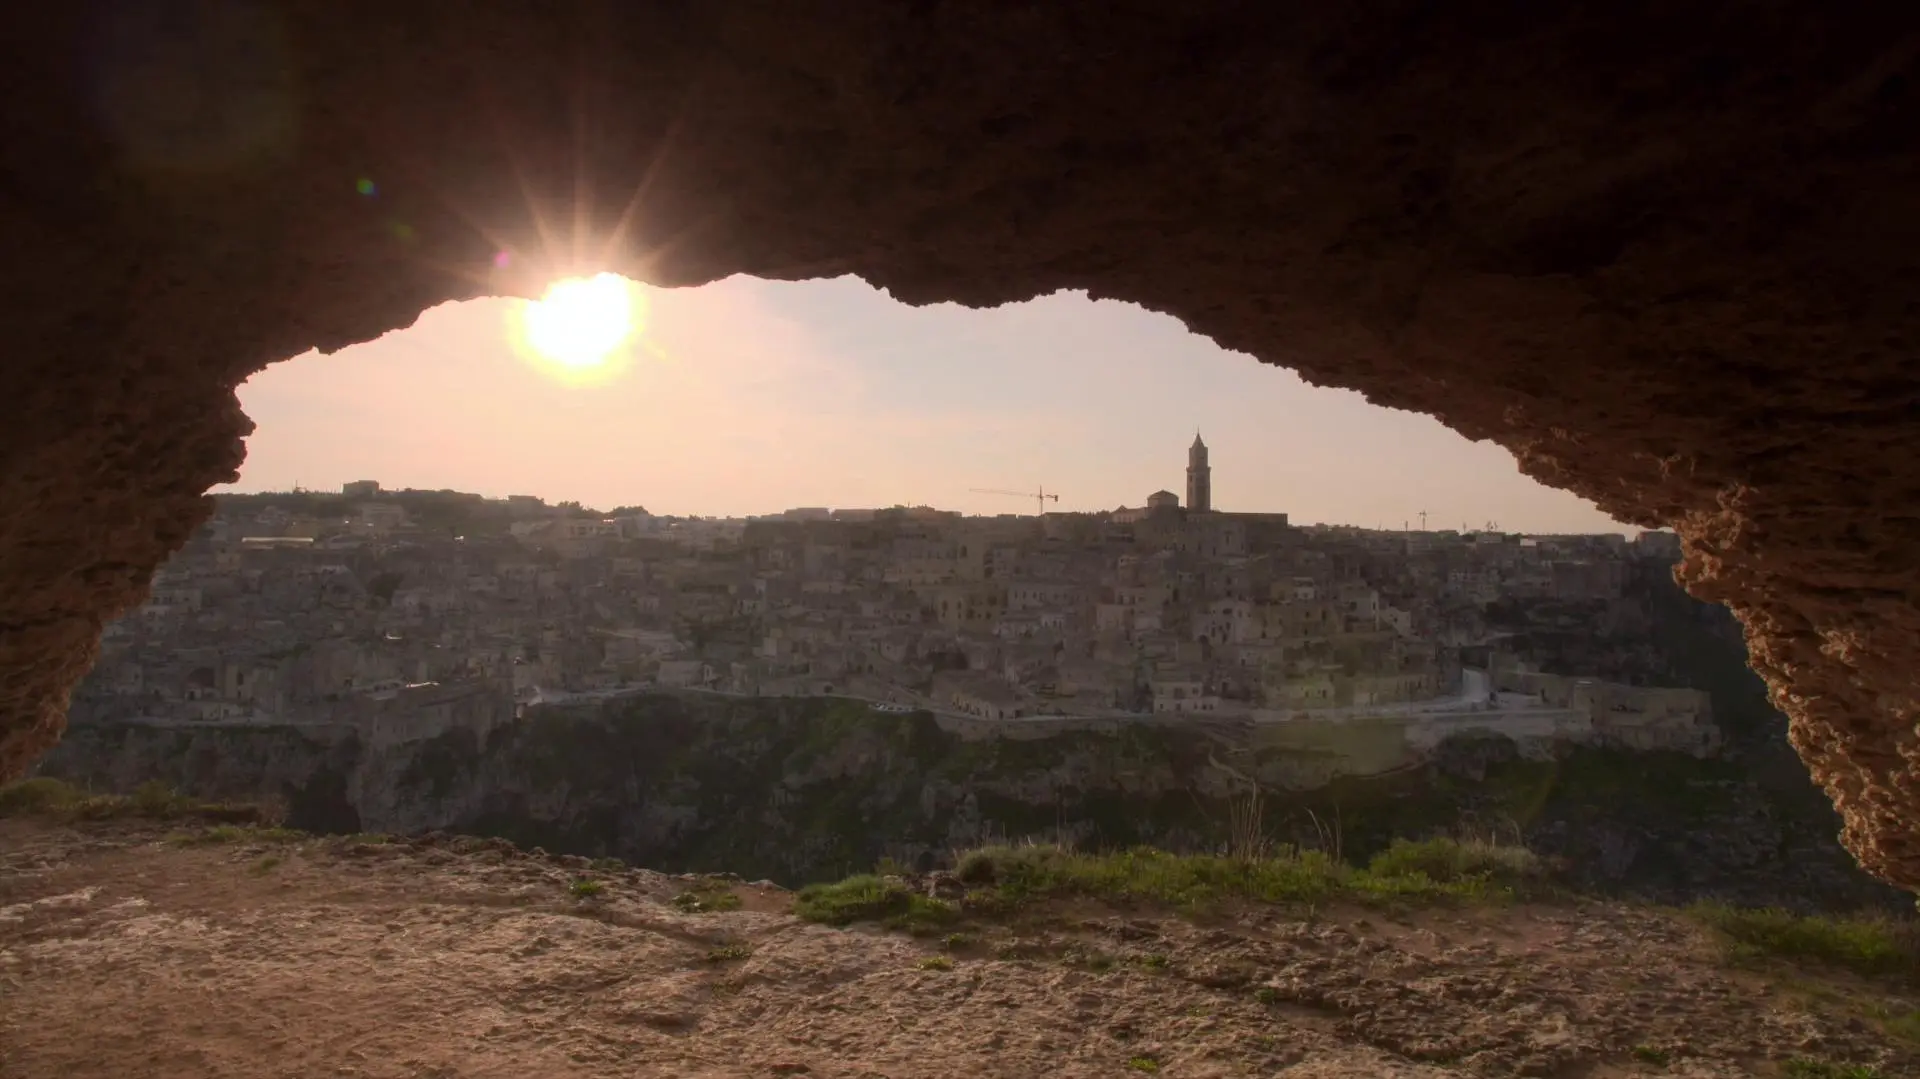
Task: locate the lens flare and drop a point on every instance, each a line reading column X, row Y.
column 582, row 329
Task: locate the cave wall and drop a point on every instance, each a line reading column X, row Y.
column 1666, row 254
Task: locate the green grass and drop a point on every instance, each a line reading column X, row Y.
column 54, row 799
column 727, row 953
column 1453, row 861
column 1873, row 946
column 866, row 898
column 935, row 962
column 585, row 888
column 1647, row 1054
column 221, row 834
column 1144, row 1064
column 709, row 898
column 1005, row 877
column 1900, row 1024
column 1802, row 1068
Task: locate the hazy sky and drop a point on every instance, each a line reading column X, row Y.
column 751, row 396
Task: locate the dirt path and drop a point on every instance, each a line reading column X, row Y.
column 123, row 954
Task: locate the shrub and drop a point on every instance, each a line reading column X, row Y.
column 859, row 898
column 976, row 867
column 867, row 898
column 47, row 797
column 1874, row 946
column 935, row 962
column 585, row 888
column 36, row 796
column 1144, row 1064
column 728, row 953
column 1450, row 861
column 156, row 799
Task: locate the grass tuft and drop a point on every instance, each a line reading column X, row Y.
column 585, row 887
column 37, row 797
column 1803, row 1068
column 1452, row 861
column 727, row 953
column 867, row 898
column 1144, row 1064
column 706, row 899
column 1006, row 877
column 56, row 799
column 1647, row 1054
column 221, row 834
column 935, row 962
column 1873, row 946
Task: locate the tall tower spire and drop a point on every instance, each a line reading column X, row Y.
column 1199, row 477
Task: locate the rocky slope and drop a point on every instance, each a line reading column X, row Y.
column 127, row 951
column 801, row 789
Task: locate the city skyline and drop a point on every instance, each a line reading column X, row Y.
column 747, row 397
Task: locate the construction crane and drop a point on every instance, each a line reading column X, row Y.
column 1039, row 496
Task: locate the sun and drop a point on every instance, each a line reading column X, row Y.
column 583, row 325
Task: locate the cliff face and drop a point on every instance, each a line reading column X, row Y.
column 797, row 789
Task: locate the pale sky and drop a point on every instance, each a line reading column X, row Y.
column 750, row 396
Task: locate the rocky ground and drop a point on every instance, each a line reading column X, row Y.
column 133, row 950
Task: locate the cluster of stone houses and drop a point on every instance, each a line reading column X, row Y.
column 285, row 605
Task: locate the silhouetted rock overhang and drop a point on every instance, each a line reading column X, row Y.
column 1669, row 255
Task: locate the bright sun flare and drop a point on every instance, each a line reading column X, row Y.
column 582, row 323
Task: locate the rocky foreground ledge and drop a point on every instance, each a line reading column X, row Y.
column 132, row 947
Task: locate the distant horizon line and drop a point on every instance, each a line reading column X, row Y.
column 542, row 500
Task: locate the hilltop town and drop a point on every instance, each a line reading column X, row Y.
column 306, row 606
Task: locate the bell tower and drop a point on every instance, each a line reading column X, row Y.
column 1199, row 478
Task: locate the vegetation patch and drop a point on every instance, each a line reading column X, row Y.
column 1647, row 1054
column 1007, row 877
column 1144, row 1064
column 708, row 897
column 1874, row 946
column 727, row 953
column 221, row 834
column 585, row 888
column 935, row 962
column 1453, row 861
column 1803, row 1068
column 53, row 799
column 866, row 898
